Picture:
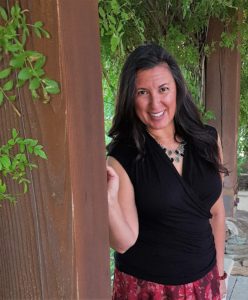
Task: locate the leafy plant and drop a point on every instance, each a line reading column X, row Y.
column 23, row 66
column 14, row 162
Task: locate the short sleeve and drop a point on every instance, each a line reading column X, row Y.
column 126, row 155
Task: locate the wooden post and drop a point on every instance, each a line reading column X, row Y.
column 222, row 97
column 54, row 241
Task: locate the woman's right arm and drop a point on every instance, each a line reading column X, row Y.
column 123, row 219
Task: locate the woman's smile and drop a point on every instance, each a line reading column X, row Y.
column 157, row 115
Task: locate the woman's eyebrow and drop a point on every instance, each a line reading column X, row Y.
column 141, row 88
column 166, row 83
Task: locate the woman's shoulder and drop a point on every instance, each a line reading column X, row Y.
column 123, row 148
column 125, row 152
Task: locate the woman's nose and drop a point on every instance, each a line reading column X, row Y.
column 155, row 100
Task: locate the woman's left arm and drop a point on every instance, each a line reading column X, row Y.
column 218, row 227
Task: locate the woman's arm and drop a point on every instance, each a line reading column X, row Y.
column 219, row 231
column 123, row 219
column 218, row 227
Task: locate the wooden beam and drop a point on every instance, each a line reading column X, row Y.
column 54, row 241
column 222, row 97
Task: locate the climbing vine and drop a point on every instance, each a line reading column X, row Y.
column 22, row 67
column 27, row 65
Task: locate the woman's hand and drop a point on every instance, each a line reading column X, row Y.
column 112, row 184
column 222, row 289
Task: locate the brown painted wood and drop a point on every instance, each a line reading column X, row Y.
column 54, row 241
column 222, row 97
column 82, row 80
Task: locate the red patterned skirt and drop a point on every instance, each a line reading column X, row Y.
column 127, row 287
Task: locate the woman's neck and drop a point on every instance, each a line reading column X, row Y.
column 165, row 137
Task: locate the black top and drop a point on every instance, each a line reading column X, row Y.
column 175, row 244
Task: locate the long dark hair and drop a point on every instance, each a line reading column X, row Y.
column 188, row 124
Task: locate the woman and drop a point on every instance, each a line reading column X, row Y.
column 166, row 213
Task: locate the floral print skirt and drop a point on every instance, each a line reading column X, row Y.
column 127, row 287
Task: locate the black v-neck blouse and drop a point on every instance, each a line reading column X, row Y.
column 175, row 244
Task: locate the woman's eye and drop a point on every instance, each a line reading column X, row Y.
column 164, row 89
column 141, row 92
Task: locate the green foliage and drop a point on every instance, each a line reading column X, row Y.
column 116, row 18
column 15, row 163
column 112, row 264
column 26, row 64
column 181, row 27
column 21, row 67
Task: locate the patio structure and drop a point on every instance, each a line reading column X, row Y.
column 54, row 242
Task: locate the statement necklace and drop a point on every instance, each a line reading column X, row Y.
column 174, row 155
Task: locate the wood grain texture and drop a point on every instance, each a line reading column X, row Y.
column 54, row 241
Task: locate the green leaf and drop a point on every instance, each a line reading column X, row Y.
column 52, row 86
column 25, row 74
column 38, row 24
column 11, row 142
column 25, row 187
column 34, row 94
column 30, row 142
column 38, row 147
column 12, row 11
column 8, row 85
column 5, row 73
column 5, row 161
column 3, row 13
column 1, row 97
column 12, row 98
column 22, row 148
column 20, row 83
column 40, row 62
column 42, row 154
column 39, row 152
column 101, row 12
column 14, row 133
column 120, row 27
column 40, row 72
column 32, row 166
column 33, row 55
column 34, row 84
column 2, row 187
column 22, row 166
column 14, row 47
column 115, row 6
column 17, row 62
column 114, row 42
column 30, row 149
column 45, row 33
column 112, row 19
column 37, row 32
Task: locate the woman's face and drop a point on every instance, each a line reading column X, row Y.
column 155, row 97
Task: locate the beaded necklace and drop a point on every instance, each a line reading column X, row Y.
column 174, row 155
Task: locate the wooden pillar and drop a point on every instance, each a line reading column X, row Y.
column 54, row 241
column 81, row 74
column 222, row 97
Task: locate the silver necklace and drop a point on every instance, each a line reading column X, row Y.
column 174, row 155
